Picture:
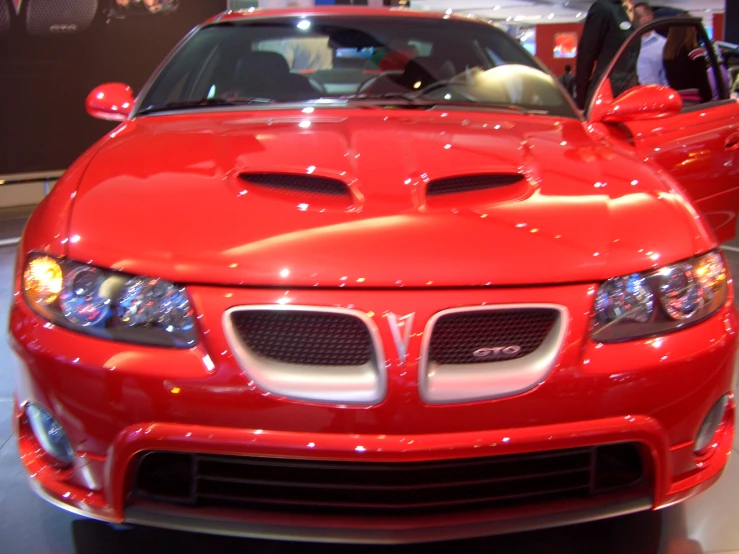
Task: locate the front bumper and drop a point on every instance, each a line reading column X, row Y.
column 116, row 401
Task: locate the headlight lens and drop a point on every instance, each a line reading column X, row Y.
column 644, row 304
column 109, row 305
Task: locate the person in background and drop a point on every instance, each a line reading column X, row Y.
column 685, row 65
column 650, row 66
column 568, row 80
column 312, row 53
column 153, row 5
column 607, row 26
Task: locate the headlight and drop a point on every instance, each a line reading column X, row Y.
column 670, row 298
column 107, row 304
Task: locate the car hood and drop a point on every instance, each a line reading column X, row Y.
column 167, row 196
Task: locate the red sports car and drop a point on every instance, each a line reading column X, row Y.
column 414, row 295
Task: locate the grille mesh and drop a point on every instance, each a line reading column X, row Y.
column 306, row 338
column 467, row 183
column 456, row 336
column 50, row 16
column 298, row 183
column 4, row 18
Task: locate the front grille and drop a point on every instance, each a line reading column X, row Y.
column 467, row 183
column 306, row 338
column 289, row 182
column 456, row 336
column 387, row 489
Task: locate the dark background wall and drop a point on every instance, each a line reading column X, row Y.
column 44, row 79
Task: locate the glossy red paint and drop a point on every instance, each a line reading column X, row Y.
column 317, row 243
column 161, row 196
column 639, row 103
column 111, row 101
column 697, row 147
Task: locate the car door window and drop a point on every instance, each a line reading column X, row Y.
column 674, row 52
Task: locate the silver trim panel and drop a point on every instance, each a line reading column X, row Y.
column 42, row 493
column 229, row 523
column 351, row 384
column 454, row 383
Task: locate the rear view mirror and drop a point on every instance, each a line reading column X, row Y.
column 111, row 101
column 642, row 102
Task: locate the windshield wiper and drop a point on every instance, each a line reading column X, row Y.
column 412, row 99
column 203, row 102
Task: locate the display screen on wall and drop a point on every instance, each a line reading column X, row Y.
column 565, row 45
column 54, row 52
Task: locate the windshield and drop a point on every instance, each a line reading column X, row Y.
column 354, row 60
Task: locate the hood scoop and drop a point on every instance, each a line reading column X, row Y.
column 478, row 191
column 470, row 183
column 311, row 192
column 289, row 182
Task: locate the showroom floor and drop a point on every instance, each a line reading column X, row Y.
column 708, row 524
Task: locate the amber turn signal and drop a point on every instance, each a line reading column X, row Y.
column 42, row 280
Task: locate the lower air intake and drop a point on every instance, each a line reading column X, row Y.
column 388, row 489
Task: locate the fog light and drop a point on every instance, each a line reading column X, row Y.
column 50, row 434
column 710, row 425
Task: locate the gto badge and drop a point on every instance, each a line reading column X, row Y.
column 63, row 28
column 400, row 328
column 511, row 350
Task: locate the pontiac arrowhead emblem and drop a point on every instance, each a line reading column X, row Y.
column 17, row 6
column 401, row 328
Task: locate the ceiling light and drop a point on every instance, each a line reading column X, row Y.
column 496, row 7
column 449, row 11
column 550, row 16
column 519, row 18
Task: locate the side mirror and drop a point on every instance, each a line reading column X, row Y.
column 638, row 103
column 111, row 101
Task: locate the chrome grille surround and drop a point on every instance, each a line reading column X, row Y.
column 336, row 384
column 455, row 383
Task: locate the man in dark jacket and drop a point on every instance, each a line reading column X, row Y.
column 568, row 80
column 607, row 26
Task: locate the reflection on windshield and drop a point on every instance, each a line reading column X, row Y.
column 418, row 61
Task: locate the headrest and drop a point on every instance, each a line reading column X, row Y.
column 262, row 63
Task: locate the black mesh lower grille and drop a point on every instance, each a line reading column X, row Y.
column 387, row 489
column 306, row 338
column 298, row 183
column 467, row 183
column 457, row 336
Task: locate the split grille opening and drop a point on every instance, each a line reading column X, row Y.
column 298, row 183
column 467, row 183
column 456, row 336
column 306, row 338
column 387, row 489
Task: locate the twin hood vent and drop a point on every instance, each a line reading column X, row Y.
column 335, row 187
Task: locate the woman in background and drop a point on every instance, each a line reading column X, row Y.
column 686, row 65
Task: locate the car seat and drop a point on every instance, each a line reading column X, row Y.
column 267, row 75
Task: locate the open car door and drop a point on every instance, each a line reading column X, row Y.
column 686, row 124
